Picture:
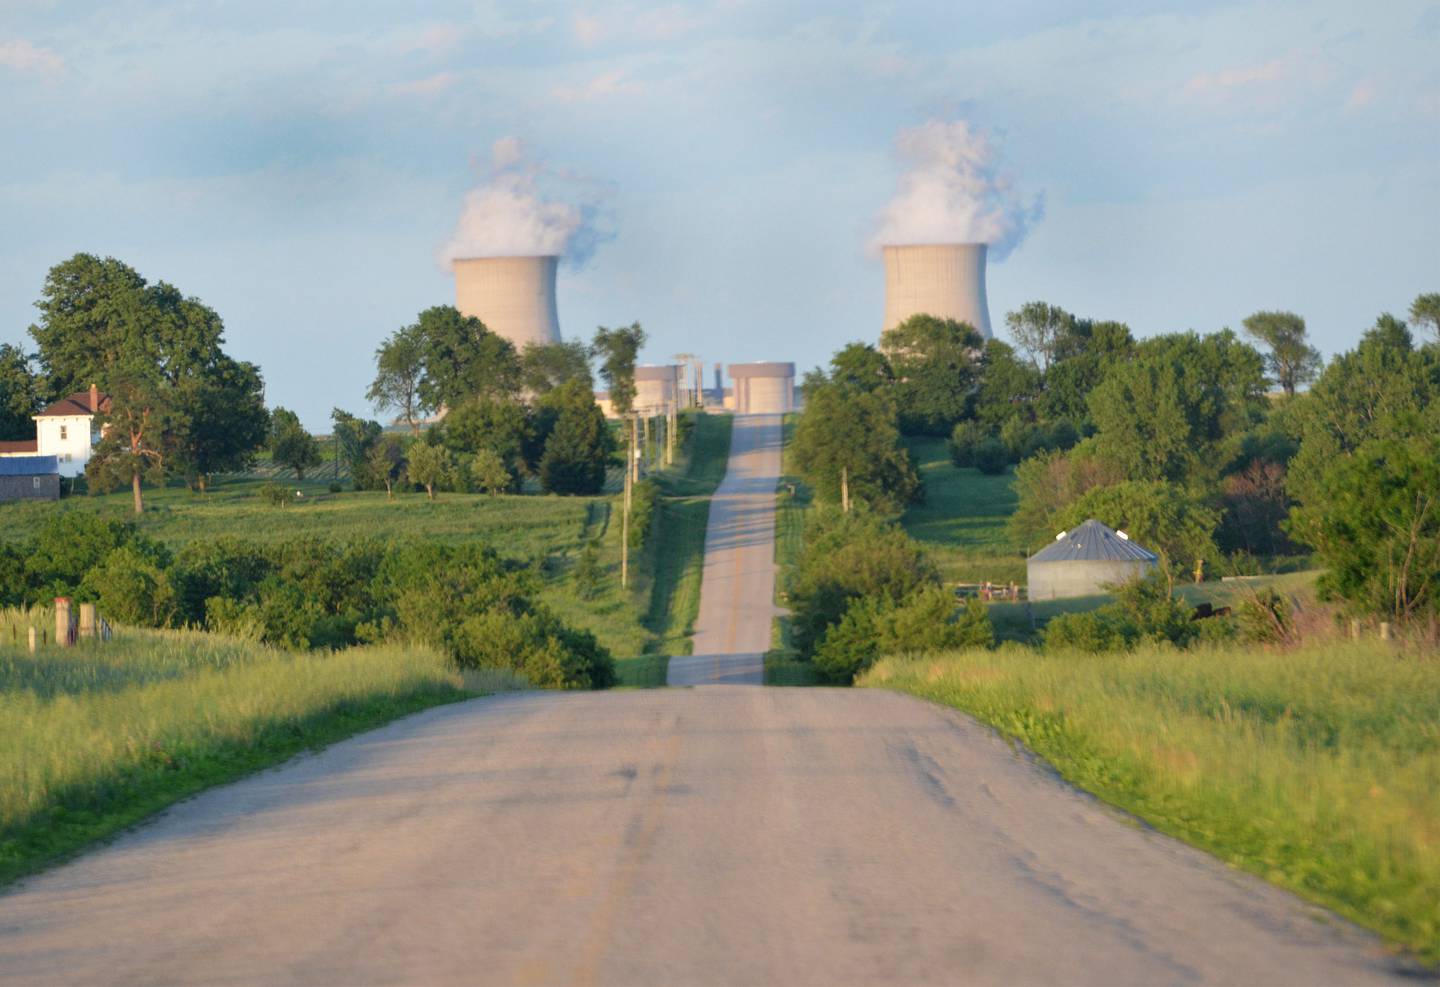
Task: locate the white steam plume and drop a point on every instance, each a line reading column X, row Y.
column 524, row 208
column 955, row 190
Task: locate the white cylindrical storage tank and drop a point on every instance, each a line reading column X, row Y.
column 513, row 296
column 946, row 280
column 763, row 388
column 1086, row 561
column 656, row 388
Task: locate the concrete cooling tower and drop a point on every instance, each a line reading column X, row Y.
column 513, row 296
column 946, row 280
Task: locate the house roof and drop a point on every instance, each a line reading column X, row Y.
column 19, row 447
column 1093, row 542
column 28, row 465
column 76, row 404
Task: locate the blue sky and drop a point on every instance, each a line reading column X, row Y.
column 298, row 166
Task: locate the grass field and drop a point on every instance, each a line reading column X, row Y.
column 97, row 737
column 547, row 531
column 1318, row 769
column 962, row 522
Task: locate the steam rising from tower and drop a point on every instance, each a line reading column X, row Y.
column 954, row 206
column 514, row 230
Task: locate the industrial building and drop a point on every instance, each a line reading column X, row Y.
column 1085, row 561
column 763, row 388
column 946, row 280
column 513, row 296
column 29, row 478
column 657, row 388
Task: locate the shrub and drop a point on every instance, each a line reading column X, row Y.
column 642, row 512
column 587, row 570
column 874, row 627
column 849, row 556
column 991, row 457
column 273, row 493
column 131, row 589
column 964, row 439
column 1143, row 610
column 334, row 487
column 1267, row 618
column 1094, row 631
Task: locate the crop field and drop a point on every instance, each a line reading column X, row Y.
column 1318, row 769
column 99, row 736
column 962, row 522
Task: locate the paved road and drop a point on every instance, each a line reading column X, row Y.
column 737, row 593
column 726, row 834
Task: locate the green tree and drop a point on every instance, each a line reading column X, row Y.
column 861, row 366
column 489, row 423
column 848, row 557
column 579, row 446
column 464, row 360
column 1041, row 330
column 354, row 440
column 220, row 420
column 1375, row 525
column 1385, row 388
column 385, row 464
column 1008, row 388
column 91, row 311
column 141, row 410
column 1090, row 352
column 488, row 472
column 19, row 394
column 399, row 373
column 1173, row 411
column 1046, row 483
column 617, row 350
column 924, row 622
column 936, row 366
column 1425, row 313
column 1292, row 361
column 546, row 366
column 290, row 444
column 847, row 446
column 430, row 466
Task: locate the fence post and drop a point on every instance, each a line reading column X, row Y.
column 63, row 636
column 1355, row 628
column 1384, row 630
column 87, row 620
column 32, row 640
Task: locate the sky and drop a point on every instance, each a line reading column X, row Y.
column 301, row 167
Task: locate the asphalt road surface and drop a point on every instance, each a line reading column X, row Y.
column 723, row 834
column 737, row 593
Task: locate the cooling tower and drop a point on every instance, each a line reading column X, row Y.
column 513, row 296
column 946, row 280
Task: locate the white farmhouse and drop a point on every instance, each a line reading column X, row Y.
column 65, row 430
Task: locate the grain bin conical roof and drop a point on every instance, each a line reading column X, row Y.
column 1093, row 542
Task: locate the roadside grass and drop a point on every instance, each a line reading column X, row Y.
column 793, row 500
column 676, row 549
column 962, row 523
column 642, row 672
column 1317, row 769
column 97, row 737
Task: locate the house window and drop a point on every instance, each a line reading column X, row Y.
column 63, row 430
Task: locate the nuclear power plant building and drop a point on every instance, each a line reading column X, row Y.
column 657, row 388
column 946, row 280
column 763, row 388
column 513, row 296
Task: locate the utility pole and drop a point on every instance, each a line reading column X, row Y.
column 845, row 489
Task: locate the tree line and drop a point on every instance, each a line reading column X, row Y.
column 1224, row 452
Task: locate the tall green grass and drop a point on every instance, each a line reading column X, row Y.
column 1318, row 769
column 98, row 736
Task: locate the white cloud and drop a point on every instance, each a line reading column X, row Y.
column 22, row 56
column 430, row 85
column 606, row 85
